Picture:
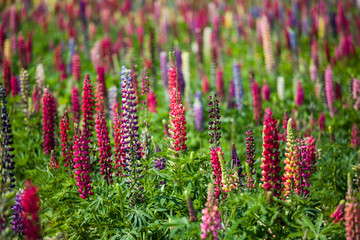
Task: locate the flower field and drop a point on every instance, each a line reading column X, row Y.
column 179, row 119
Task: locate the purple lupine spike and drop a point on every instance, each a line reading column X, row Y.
column 17, row 207
column 236, row 163
column 198, row 112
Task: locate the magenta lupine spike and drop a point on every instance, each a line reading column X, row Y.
column 103, row 142
column 66, row 142
column 48, row 113
column 329, row 89
column 99, row 99
column 151, row 101
column 75, row 104
column 82, row 164
column 299, row 94
column 356, row 93
column 88, row 108
column 270, row 162
column 211, row 220
column 250, row 158
column 321, row 121
column 76, row 67
column 355, row 138
column 217, row 174
column 101, row 80
column 339, row 212
column 266, row 91
column 257, row 101
column 307, row 160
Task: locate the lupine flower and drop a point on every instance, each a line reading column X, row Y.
column 231, row 95
column 281, row 88
column 177, row 122
column 214, row 122
column 18, row 209
column 257, row 101
column 266, row 91
column 322, row 126
column 270, row 162
column 22, row 52
column 7, row 50
column 75, row 104
column 227, row 183
column 338, row 94
column 71, row 46
column 211, row 221
column 356, row 93
column 29, row 49
column 53, row 161
column 151, row 101
column 173, row 81
column 7, row 163
column 39, row 87
column 239, row 91
column 291, row 177
column 267, row 46
column 14, row 86
column 163, row 68
column 25, row 90
column 88, row 107
column 103, row 142
column 99, row 99
column 76, row 67
column 217, row 173
column 339, row 212
column 355, row 138
column 352, row 215
column 313, row 72
column 250, row 158
column 7, row 76
column 112, row 96
column 205, row 86
column 66, row 144
column 48, row 114
column 192, row 212
column 30, row 219
column 314, row 53
column 329, row 89
column 299, row 94
column 236, row 163
column 220, row 83
column 198, row 112
column 179, row 73
column 82, row 163
column 119, row 155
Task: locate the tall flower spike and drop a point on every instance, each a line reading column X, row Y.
column 75, row 104
column 82, row 163
column 151, row 101
column 257, row 101
column 40, row 85
column 270, row 162
column 192, row 212
column 299, row 94
column 266, row 91
column 198, row 112
column 25, row 90
column 103, row 142
column 211, row 220
column 339, row 212
column 239, row 91
column 7, row 76
column 217, row 173
column 177, row 122
column 185, row 56
column 18, row 209
column 14, row 86
column 250, row 158
column 355, row 138
column 291, row 177
column 119, row 155
column 163, row 68
column 220, row 83
column 329, row 89
column 6, row 137
column 214, row 122
column 22, row 51
column 88, row 108
column 99, row 99
column 179, row 73
column 321, row 121
column 112, row 95
column 267, row 45
column 356, row 93
column 66, row 144
column 281, row 88
column 48, row 114
column 76, row 67
column 352, row 214
column 30, row 218
column 53, row 161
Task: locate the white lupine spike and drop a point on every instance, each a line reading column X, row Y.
column 266, row 41
column 207, row 44
column 281, row 88
column 40, row 76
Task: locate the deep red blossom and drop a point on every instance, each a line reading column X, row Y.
column 7, row 76
column 49, row 114
column 76, row 67
column 103, row 142
column 22, row 52
column 217, row 174
column 119, row 156
column 299, row 94
column 99, row 98
column 177, row 121
column 172, row 80
column 220, row 83
column 266, row 91
column 339, row 212
column 30, row 219
column 75, row 104
column 66, row 142
column 14, row 86
column 257, row 101
column 151, row 101
column 270, row 162
column 321, row 121
column 88, row 107
column 355, row 138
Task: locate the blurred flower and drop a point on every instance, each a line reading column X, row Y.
column 281, row 88
column 266, row 91
column 220, row 83
column 7, row 76
column 257, row 101
column 88, row 108
column 163, row 68
column 192, row 212
column 322, row 126
column 250, row 158
column 198, row 112
column 214, row 122
column 356, row 93
column 76, row 67
column 239, row 91
column 355, row 138
column 329, row 89
column 49, row 113
column 267, row 45
column 352, row 215
column 99, row 99
column 299, row 94
column 17, row 207
column 112, row 96
column 339, row 212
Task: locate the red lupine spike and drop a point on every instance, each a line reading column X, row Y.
column 14, row 86
column 66, row 143
column 75, row 104
column 22, row 51
column 220, row 83
column 99, row 99
column 49, row 114
column 119, row 156
column 7, row 77
column 88, row 107
column 76, row 67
